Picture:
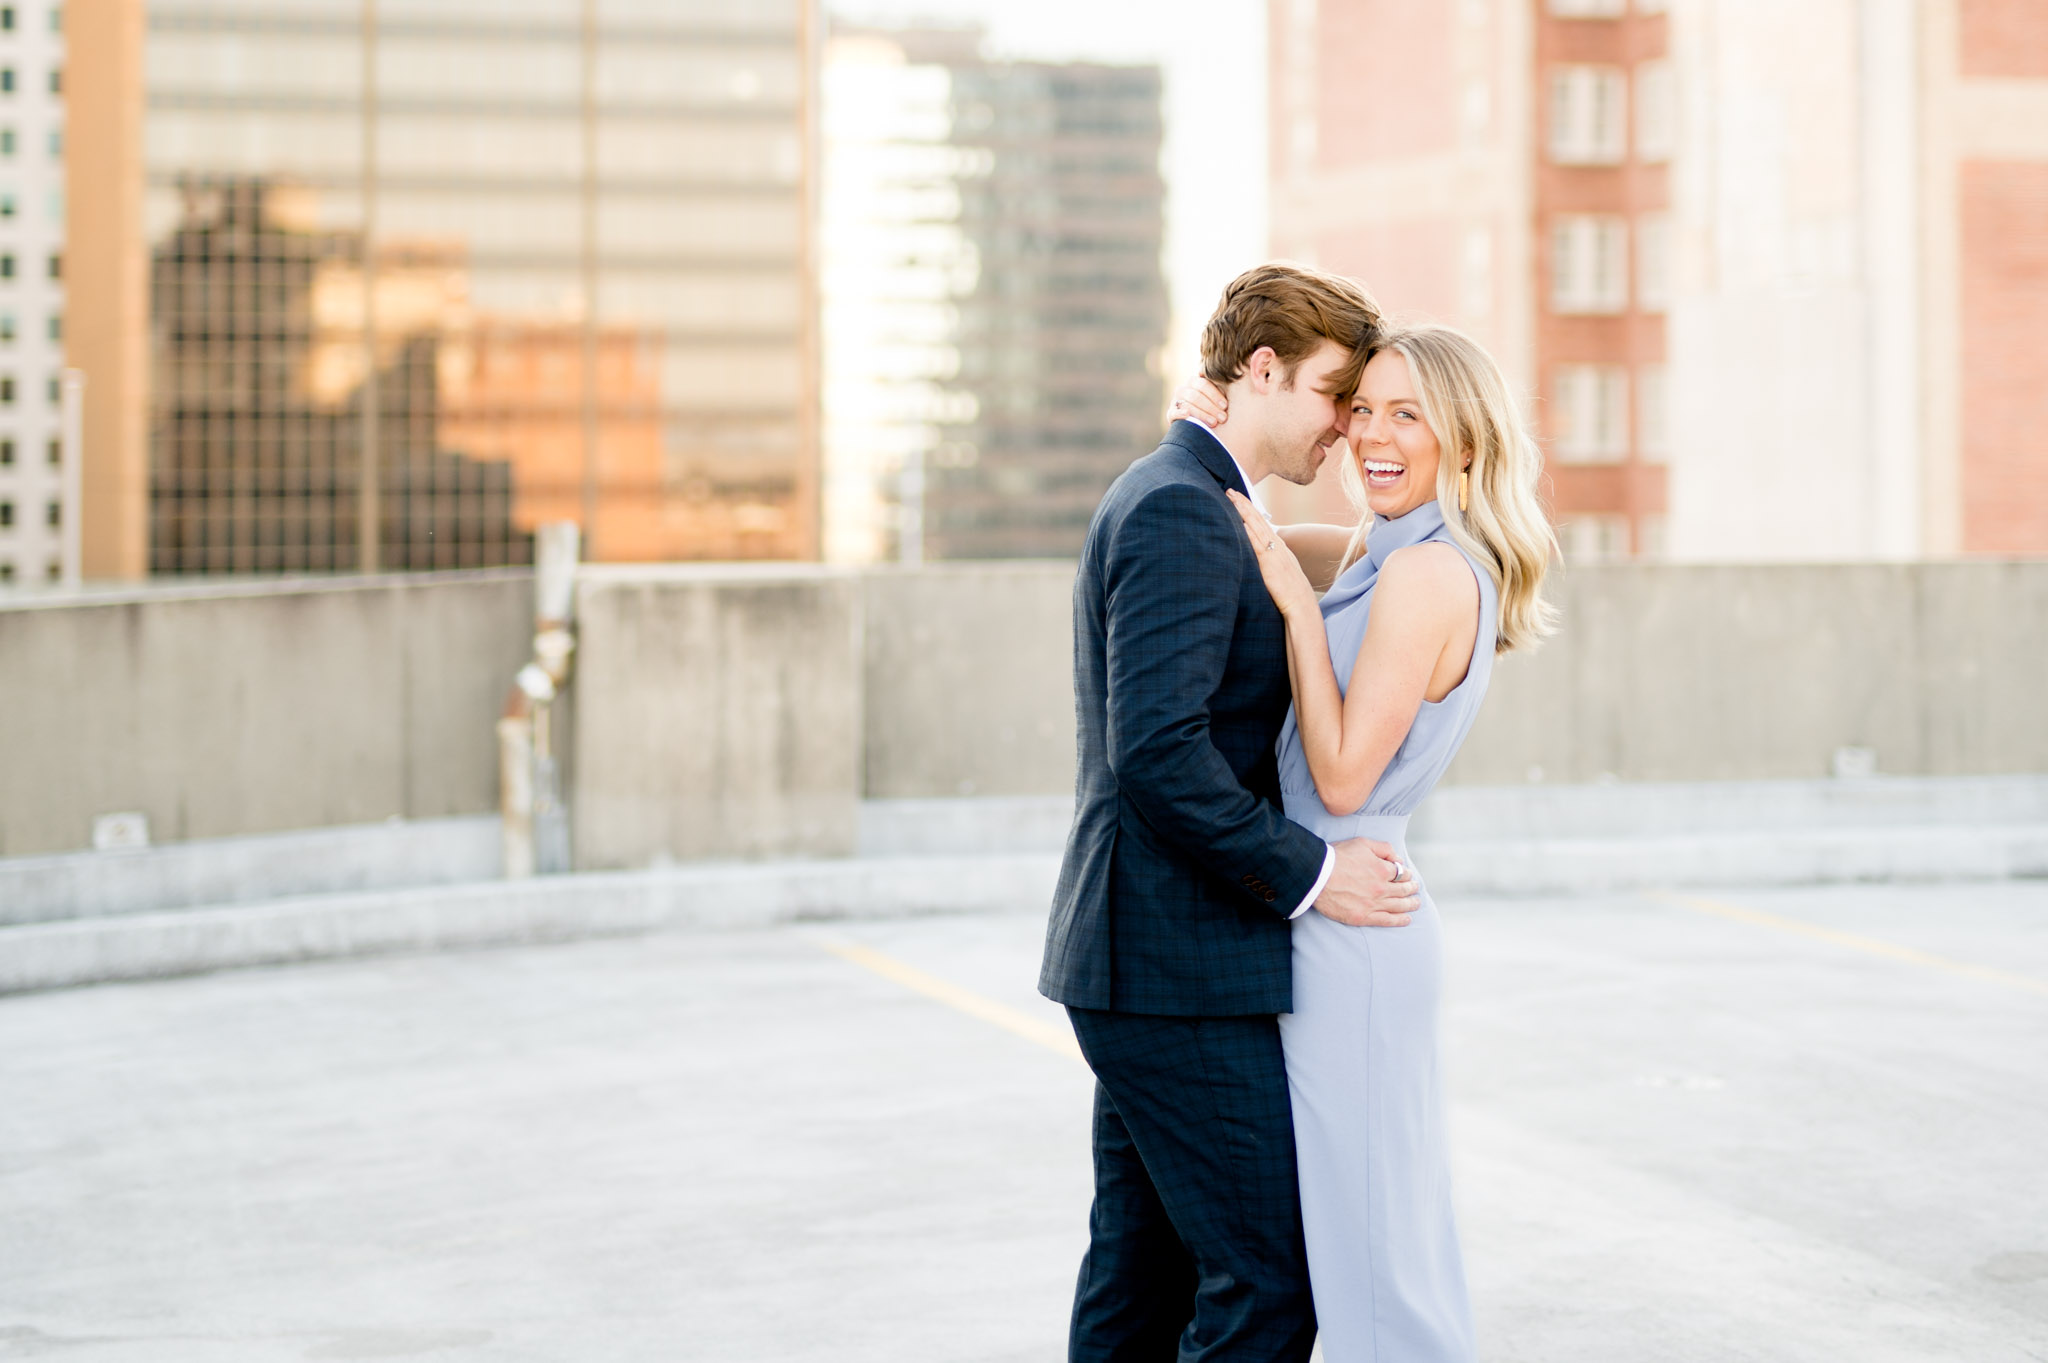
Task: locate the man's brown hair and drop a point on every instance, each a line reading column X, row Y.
column 1293, row 309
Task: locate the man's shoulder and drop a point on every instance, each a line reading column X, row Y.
column 1168, row 475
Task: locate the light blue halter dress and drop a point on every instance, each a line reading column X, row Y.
column 1361, row 1043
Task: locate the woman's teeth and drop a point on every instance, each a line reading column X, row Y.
column 1377, row 472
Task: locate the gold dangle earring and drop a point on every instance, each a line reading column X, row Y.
column 1464, row 486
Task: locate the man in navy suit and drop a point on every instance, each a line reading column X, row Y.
column 1168, row 940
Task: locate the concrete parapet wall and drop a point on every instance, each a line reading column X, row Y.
column 1739, row 673
column 1671, row 673
column 970, row 680
column 219, row 710
column 717, row 713
column 746, row 711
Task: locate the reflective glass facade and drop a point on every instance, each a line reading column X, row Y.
column 382, row 227
column 995, row 302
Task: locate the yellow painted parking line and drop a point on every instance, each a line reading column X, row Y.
column 1871, row 945
column 1046, row 1034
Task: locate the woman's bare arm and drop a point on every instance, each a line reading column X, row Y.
column 1418, row 645
column 1424, row 605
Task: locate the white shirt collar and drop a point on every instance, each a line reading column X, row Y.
column 1251, row 490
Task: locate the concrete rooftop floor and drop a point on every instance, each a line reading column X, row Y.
column 1802, row 1125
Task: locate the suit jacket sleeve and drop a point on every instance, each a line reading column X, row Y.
column 1172, row 579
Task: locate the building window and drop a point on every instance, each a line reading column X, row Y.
column 56, row 80
column 6, row 18
column 56, row 326
column 53, row 514
column 1589, row 413
column 7, row 205
column 1588, row 9
column 1593, row 539
column 1588, row 115
column 1475, row 275
column 1653, row 417
column 6, row 515
column 1589, row 263
column 55, row 454
column 1476, row 114
column 54, row 570
column 6, row 390
column 6, row 572
column 6, row 266
column 1656, row 111
column 56, row 143
column 6, row 453
column 6, row 80
column 6, row 141
column 1653, row 262
column 56, row 390
column 56, row 265
column 6, row 326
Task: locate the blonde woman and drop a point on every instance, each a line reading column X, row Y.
column 1442, row 574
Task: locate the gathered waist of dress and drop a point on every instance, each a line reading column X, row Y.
column 1310, row 814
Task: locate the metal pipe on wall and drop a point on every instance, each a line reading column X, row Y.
column 530, row 777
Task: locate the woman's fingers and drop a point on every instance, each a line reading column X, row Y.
column 1246, row 512
column 1202, row 400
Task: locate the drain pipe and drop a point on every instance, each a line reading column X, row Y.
column 529, row 774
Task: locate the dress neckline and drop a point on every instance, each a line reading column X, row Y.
column 1385, row 537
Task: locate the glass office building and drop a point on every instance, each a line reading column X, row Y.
column 1063, row 337
column 537, row 260
column 994, row 294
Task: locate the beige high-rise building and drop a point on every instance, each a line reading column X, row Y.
column 489, row 268
column 1770, row 274
column 32, row 482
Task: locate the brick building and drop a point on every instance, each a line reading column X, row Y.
column 1774, row 278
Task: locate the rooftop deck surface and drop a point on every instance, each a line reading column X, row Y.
column 1770, row 1126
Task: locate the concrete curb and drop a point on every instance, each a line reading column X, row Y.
column 742, row 895
column 506, row 913
column 254, row 869
column 1813, row 856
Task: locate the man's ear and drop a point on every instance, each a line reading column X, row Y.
column 1262, row 369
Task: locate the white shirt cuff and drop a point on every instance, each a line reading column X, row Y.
column 1329, row 865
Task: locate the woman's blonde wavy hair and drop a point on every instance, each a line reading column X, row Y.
column 1469, row 408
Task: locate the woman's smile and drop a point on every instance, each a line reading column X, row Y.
column 1383, row 473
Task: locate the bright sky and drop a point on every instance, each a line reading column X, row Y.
column 1213, row 53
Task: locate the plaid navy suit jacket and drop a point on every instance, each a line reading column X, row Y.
column 1180, row 869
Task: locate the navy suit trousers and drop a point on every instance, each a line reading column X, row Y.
column 1195, row 1246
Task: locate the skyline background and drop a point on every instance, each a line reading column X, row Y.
column 1211, row 56
column 372, row 286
